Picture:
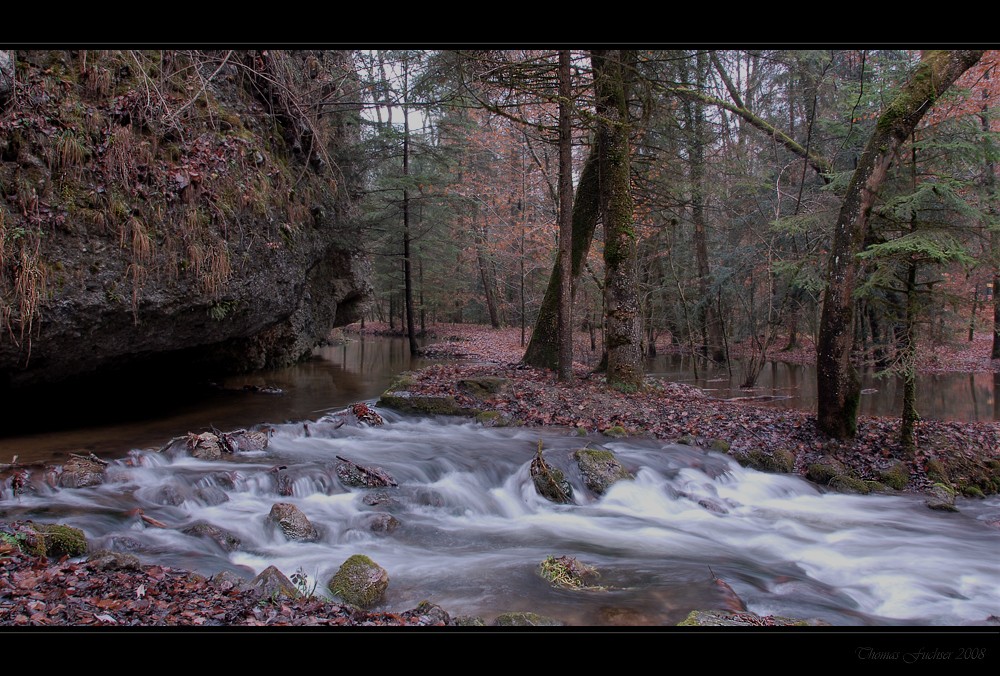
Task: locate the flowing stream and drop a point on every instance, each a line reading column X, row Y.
column 472, row 530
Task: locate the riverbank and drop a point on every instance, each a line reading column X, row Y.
column 952, row 458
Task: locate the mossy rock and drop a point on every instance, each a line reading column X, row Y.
column 973, row 492
column 824, row 472
column 616, row 432
column 845, row 483
column 720, row 445
column 568, row 573
column 686, row 440
column 526, row 619
column 407, row 402
column 896, row 476
column 600, row 469
column 550, row 482
column 942, row 498
column 779, row 460
column 359, row 581
column 484, row 386
column 61, row 540
column 469, row 621
column 937, row 472
column 722, row 618
column 24, row 536
column 491, row 419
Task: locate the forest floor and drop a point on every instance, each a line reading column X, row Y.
column 963, row 456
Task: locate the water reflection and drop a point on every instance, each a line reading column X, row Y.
column 335, row 376
column 940, row 396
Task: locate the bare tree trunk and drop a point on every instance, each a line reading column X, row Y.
column 838, row 385
column 621, row 303
column 407, row 264
column 712, row 335
column 484, row 274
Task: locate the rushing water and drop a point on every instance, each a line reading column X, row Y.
column 473, row 531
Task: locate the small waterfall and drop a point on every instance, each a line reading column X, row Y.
column 465, row 528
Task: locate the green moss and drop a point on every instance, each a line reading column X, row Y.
column 617, row 432
column 359, row 581
column 720, row 445
column 407, row 403
column 568, row 573
column 686, row 440
column 61, row 540
column 822, row 473
column 937, row 472
column 846, row 483
column 490, row 418
column 897, row 476
column 972, row 492
column 778, row 460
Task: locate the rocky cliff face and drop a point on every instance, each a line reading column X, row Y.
column 175, row 208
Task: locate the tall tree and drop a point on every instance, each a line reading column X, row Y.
column 621, row 302
column 565, row 218
column 838, row 384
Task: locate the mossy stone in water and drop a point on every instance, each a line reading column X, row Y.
column 359, row 581
column 600, row 469
column 525, row 620
column 779, row 460
column 845, row 483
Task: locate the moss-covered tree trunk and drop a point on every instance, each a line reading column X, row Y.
column 543, row 348
column 837, row 381
column 621, row 298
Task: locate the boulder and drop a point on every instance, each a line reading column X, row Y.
column 220, row 536
column 272, row 584
column 292, row 522
column 407, row 402
column 428, row 614
column 62, row 540
column 105, row 560
column 600, row 469
column 210, row 495
column 771, row 460
column 722, row 618
column 525, row 619
column 81, row 472
column 550, row 482
column 242, row 441
column 351, row 473
column 205, row 446
column 359, row 581
column 942, row 498
column 383, row 523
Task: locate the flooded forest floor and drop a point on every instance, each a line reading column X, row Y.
column 951, row 458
